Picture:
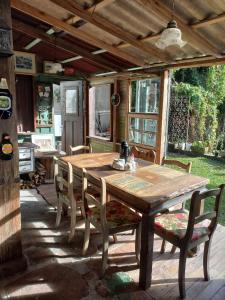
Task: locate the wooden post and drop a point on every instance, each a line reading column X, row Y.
column 10, row 221
column 163, row 116
column 115, row 119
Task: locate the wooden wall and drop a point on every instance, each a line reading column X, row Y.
column 25, row 102
column 10, row 224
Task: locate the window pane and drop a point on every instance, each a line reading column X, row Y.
column 71, row 101
column 99, row 110
column 149, row 139
column 135, row 136
column 150, row 125
column 145, row 96
column 135, row 123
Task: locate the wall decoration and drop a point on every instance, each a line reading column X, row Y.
column 56, row 99
column 115, row 99
column 25, row 63
column 5, row 40
column 5, row 100
column 46, row 142
column 44, row 105
column 51, row 67
column 6, row 147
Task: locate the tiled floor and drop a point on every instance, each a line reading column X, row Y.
column 57, row 271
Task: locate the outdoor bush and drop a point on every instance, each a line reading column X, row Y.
column 198, row 147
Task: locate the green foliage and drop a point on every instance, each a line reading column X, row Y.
column 198, row 147
column 205, row 87
column 211, row 169
column 193, row 76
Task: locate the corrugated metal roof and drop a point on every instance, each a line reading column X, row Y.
column 144, row 19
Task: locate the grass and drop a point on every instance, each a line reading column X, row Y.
column 205, row 167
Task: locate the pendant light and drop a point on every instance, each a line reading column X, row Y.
column 171, row 36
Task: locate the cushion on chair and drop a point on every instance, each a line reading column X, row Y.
column 117, row 214
column 175, row 225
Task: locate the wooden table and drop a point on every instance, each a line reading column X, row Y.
column 149, row 190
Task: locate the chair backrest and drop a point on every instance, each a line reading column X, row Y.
column 63, row 178
column 173, row 162
column 195, row 218
column 90, row 199
column 73, row 150
column 149, row 155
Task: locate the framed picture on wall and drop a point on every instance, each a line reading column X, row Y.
column 25, row 63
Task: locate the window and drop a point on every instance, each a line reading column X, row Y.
column 143, row 111
column 99, row 111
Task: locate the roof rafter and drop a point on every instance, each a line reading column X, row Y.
column 111, row 28
column 162, row 10
column 209, row 21
column 63, row 44
column 93, row 8
column 40, row 15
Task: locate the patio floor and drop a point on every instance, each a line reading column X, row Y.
column 57, row 271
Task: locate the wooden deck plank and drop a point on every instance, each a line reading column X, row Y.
column 122, row 259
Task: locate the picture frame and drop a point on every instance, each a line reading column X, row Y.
column 45, row 141
column 25, row 63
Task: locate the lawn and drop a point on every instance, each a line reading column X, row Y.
column 214, row 170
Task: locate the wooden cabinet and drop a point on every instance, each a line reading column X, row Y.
column 26, row 159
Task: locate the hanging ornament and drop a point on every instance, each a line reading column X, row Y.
column 5, row 100
column 6, row 147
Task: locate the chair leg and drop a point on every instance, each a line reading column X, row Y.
column 59, row 213
column 181, row 275
column 86, row 236
column 133, row 231
column 72, row 224
column 163, row 247
column 82, row 211
column 206, row 259
column 173, row 249
column 105, row 248
column 114, row 238
column 138, row 243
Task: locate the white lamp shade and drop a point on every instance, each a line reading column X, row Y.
column 169, row 37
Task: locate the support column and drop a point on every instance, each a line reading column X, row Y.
column 10, row 217
column 162, row 126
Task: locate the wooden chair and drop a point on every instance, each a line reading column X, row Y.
column 80, row 148
column 187, row 232
column 149, row 155
column 187, row 168
column 67, row 194
column 108, row 217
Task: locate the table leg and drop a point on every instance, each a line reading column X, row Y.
column 146, row 255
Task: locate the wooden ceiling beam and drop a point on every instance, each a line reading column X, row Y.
column 162, row 10
column 209, row 21
column 93, row 40
column 112, row 29
column 92, row 9
column 64, row 45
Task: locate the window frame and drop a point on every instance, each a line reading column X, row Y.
column 107, row 139
column 142, row 116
